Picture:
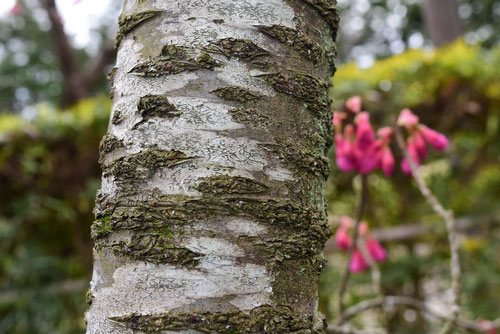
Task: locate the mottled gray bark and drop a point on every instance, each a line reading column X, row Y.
column 211, row 216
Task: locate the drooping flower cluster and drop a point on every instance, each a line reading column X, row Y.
column 357, row 147
column 419, row 136
column 343, row 240
column 360, row 149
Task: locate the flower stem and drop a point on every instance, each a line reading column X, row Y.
column 346, row 275
column 448, row 218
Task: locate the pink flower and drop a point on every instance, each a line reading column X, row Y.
column 369, row 159
column 387, row 161
column 353, row 104
column 342, row 238
column 365, row 136
column 487, row 326
column 407, row 118
column 344, row 154
column 413, row 153
column 357, row 263
column 376, row 250
column 434, row 138
column 385, row 134
column 417, row 140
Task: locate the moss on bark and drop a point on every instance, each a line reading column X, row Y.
column 129, row 22
column 263, row 319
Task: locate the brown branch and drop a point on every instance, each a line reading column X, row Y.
column 414, row 231
column 73, row 86
column 387, row 301
column 447, row 216
column 374, row 268
column 347, row 273
column 95, row 69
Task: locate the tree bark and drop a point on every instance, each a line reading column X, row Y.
column 442, row 20
column 211, row 215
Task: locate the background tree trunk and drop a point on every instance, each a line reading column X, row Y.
column 442, row 20
column 211, row 216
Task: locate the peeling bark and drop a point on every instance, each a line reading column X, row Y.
column 210, row 218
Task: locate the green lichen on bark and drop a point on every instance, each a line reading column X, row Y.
column 299, row 276
column 299, row 85
column 328, row 11
column 304, row 160
column 89, row 297
column 225, row 184
column 156, row 106
column 263, row 319
column 235, row 93
column 154, row 248
column 143, row 164
column 109, row 143
column 250, row 116
column 117, row 117
column 128, row 23
column 175, row 59
column 166, row 210
column 294, row 39
column 101, row 227
column 239, row 48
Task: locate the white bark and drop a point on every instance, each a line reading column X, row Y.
column 209, row 219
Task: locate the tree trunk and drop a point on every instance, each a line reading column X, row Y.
column 211, row 215
column 442, row 20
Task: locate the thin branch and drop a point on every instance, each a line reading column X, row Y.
column 73, row 86
column 374, row 268
column 447, row 216
column 416, row 230
column 388, row 301
column 94, row 70
column 347, row 273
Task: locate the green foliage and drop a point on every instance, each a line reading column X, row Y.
column 419, row 78
column 49, row 176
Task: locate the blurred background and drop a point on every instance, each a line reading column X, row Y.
column 438, row 57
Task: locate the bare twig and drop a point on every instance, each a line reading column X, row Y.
column 374, row 268
column 73, row 85
column 450, row 226
column 95, row 69
column 413, row 231
column 346, row 273
column 387, row 301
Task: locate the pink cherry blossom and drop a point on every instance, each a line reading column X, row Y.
column 368, row 160
column 357, row 263
column 385, row 133
column 487, row 326
column 407, row 118
column 344, row 154
column 417, row 140
column 353, row 104
column 413, row 153
column 342, row 238
column 365, row 136
column 434, row 138
column 387, row 161
column 376, row 250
